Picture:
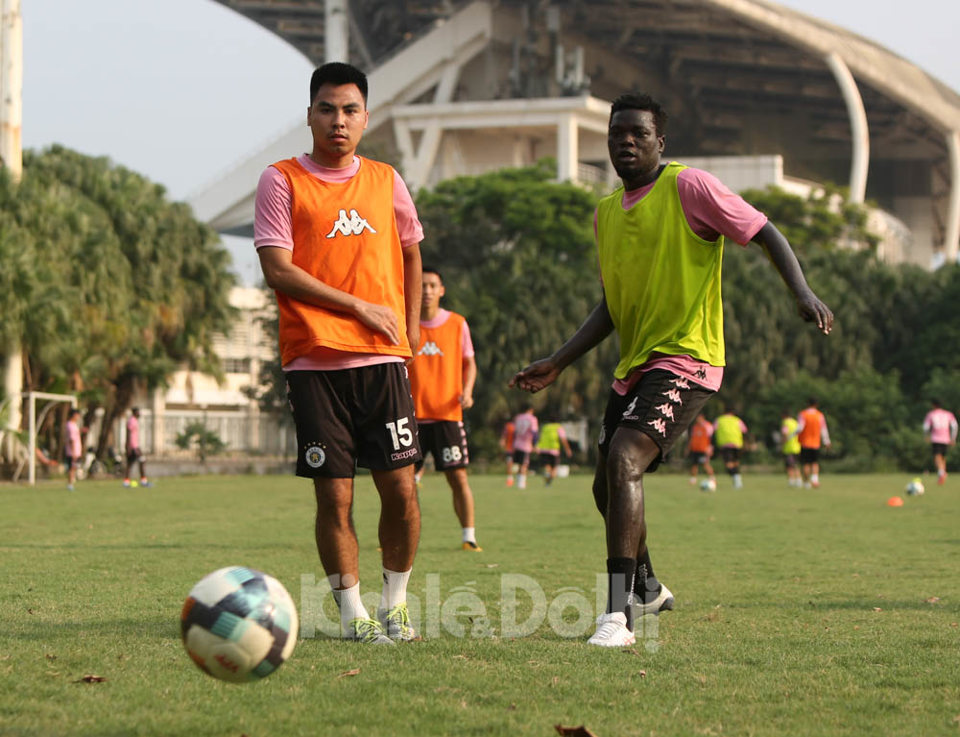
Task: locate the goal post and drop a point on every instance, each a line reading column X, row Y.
column 32, row 398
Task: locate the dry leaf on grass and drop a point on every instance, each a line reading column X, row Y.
column 90, row 678
column 933, row 600
column 580, row 731
column 351, row 672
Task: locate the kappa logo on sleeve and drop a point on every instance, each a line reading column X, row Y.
column 351, row 224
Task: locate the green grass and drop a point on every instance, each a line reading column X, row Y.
column 801, row 612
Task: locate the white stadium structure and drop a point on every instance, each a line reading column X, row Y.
column 758, row 93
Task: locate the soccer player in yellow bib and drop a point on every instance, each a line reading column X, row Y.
column 552, row 438
column 660, row 239
column 790, row 447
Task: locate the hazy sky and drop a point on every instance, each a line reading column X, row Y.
column 180, row 90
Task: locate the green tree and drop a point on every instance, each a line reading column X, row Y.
column 107, row 284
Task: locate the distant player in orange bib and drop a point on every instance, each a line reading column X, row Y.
column 812, row 433
column 442, row 376
column 700, row 447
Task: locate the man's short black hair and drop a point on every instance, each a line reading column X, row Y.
column 337, row 73
column 431, row 270
column 636, row 101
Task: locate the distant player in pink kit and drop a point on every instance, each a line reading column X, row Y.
column 526, row 428
column 134, row 454
column 940, row 427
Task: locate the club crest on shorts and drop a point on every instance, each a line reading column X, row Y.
column 314, row 456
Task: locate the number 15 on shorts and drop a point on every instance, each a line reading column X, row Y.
column 400, row 433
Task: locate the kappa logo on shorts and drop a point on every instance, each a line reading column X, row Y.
column 314, row 456
column 666, row 410
column 673, row 395
column 680, row 382
column 659, row 425
column 350, row 225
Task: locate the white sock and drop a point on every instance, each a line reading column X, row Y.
column 351, row 607
column 815, row 479
column 469, row 535
column 394, row 588
column 522, row 481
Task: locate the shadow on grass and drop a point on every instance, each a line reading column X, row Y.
column 148, row 628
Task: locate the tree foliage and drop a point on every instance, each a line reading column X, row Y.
column 106, row 284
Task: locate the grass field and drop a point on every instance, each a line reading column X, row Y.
column 799, row 612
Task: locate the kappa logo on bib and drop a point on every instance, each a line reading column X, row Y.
column 430, row 349
column 351, row 224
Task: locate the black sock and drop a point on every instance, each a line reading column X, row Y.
column 645, row 583
column 620, row 575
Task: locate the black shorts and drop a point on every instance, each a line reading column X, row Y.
column 549, row 460
column 661, row 405
column 730, row 454
column 809, row 455
column 520, row 457
column 133, row 454
column 790, row 460
column 939, row 449
column 699, row 459
column 447, row 441
column 353, row 417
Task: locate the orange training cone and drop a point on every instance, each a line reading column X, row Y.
column 894, row 501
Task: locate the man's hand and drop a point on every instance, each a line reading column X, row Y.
column 538, row 375
column 813, row 310
column 380, row 319
column 466, row 401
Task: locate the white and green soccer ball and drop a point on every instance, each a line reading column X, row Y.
column 239, row 624
column 915, row 487
column 708, row 485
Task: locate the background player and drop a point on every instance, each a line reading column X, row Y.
column 525, row 431
column 790, row 448
column 442, row 376
column 812, row 433
column 552, row 438
column 940, row 428
column 728, row 434
column 700, row 448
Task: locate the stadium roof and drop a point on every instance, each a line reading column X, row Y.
column 738, row 77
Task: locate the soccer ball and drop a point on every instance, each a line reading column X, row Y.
column 915, row 487
column 239, row 624
column 708, row 485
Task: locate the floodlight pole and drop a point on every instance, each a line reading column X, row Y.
column 11, row 158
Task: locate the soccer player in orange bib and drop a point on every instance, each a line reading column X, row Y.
column 700, row 447
column 339, row 241
column 812, row 433
column 442, row 376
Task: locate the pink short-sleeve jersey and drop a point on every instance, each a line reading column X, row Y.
column 941, row 426
column 133, row 432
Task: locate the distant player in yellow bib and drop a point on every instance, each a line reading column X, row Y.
column 790, row 447
column 552, row 438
